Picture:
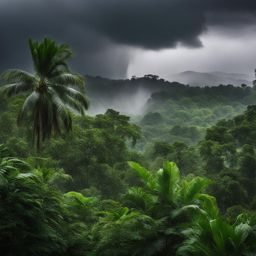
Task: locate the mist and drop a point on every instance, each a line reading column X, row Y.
column 130, row 103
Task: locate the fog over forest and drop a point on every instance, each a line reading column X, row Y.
column 130, row 96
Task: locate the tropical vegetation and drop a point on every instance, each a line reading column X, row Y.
column 103, row 189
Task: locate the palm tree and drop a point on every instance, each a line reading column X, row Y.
column 53, row 91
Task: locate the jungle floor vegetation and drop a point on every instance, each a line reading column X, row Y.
column 79, row 185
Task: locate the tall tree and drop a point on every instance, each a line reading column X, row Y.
column 53, row 91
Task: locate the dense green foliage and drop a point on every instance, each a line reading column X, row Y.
column 190, row 190
column 183, row 113
column 174, row 111
column 154, row 213
column 164, row 215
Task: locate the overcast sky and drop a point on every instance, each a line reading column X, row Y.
column 120, row 38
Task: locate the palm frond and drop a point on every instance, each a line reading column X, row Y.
column 138, row 198
column 146, row 177
column 28, row 106
column 16, row 88
column 60, row 112
column 17, row 75
column 168, row 180
column 71, row 96
column 68, row 79
column 190, row 188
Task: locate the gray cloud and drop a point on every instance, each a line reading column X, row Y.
column 147, row 24
column 22, row 19
column 102, row 33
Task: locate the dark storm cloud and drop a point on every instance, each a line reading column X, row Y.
column 22, row 19
column 147, row 24
column 101, row 31
column 230, row 13
column 157, row 24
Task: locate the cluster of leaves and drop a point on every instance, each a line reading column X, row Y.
column 226, row 155
column 183, row 113
column 165, row 215
column 228, row 152
column 34, row 220
column 96, row 152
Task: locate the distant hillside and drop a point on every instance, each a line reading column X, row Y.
column 128, row 96
column 212, row 79
column 131, row 96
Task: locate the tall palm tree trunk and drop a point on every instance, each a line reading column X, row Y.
column 39, row 130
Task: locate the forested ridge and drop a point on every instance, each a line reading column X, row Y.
column 178, row 179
